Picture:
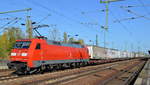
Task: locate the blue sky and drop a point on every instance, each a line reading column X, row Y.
column 68, row 15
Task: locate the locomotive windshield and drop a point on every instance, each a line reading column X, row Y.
column 22, row 44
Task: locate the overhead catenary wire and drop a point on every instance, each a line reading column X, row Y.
column 131, row 6
column 90, row 22
column 43, row 19
column 97, row 10
column 136, row 14
column 94, row 23
column 123, row 26
column 130, row 18
column 146, row 10
column 70, row 19
column 53, row 11
column 8, row 18
column 7, row 24
column 2, row 28
column 58, row 13
column 13, row 23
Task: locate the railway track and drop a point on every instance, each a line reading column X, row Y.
column 76, row 76
column 62, row 77
column 73, row 76
column 124, row 77
column 5, row 72
column 8, row 77
column 58, row 79
column 69, row 80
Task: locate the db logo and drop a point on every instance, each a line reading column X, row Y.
column 18, row 54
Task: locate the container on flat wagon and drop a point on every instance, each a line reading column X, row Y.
column 113, row 53
column 119, row 54
column 90, row 50
column 116, row 54
column 96, row 52
column 131, row 54
column 122, row 54
column 127, row 54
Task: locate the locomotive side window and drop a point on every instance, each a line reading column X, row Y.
column 38, row 46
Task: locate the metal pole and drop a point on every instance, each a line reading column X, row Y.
column 29, row 26
column 107, row 11
column 104, row 39
column 28, row 9
column 106, row 23
column 96, row 40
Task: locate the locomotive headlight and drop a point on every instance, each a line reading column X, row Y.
column 24, row 54
column 13, row 54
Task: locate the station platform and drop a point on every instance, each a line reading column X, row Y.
column 3, row 64
column 3, row 67
column 144, row 76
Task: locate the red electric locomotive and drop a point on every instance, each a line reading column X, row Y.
column 32, row 55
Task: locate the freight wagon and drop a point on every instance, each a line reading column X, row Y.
column 97, row 52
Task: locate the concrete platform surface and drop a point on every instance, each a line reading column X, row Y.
column 3, row 64
column 144, row 77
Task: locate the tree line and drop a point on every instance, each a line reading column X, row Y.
column 54, row 34
column 7, row 40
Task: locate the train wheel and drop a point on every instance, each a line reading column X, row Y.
column 42, row 69
column 72, row 65
column 32, row 71
column 38, row 70
column 77, row 65
column 83, row 64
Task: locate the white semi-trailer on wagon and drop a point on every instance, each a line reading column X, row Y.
column 97, row 52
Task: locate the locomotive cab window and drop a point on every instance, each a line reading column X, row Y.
column 38, row 46
column 22, row 44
